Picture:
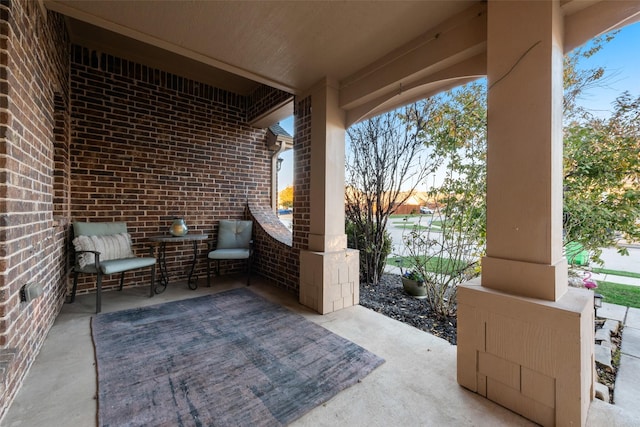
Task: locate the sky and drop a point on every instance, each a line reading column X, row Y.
column 620, row 57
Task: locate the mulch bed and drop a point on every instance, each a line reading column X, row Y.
column 390, row 299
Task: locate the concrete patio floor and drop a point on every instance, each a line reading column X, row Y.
column 416, row 386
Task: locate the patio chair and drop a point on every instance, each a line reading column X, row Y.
column 234, row 242
column 105, row 248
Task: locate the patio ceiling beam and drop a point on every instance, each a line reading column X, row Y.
column 455, row 75
column 597, row 19
column 457, row 39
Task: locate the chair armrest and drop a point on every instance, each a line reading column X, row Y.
column 95, row 253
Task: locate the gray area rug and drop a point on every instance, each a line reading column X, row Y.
column 228, row 359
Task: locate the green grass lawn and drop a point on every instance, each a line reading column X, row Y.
column 616, row 272
column 615, row 293
column 433, row 264
column 410, row 226
column 402, row 224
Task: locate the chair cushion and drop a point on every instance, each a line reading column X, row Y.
column 229, row 254
column 119, row 265
column 113, row 246
column 234, row 234
column 98, row 228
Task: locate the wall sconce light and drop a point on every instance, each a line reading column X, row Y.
column 279, row 164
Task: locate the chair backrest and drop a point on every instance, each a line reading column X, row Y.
column 98, row 228
column 234, row 234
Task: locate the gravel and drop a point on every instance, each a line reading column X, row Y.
column 390, row 299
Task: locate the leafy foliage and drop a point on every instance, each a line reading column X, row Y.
column 449, row 254
column 285, row 197
column 602, row 177
column 385, row 154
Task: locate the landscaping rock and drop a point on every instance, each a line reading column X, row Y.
column 602, row 392
column 603, row 335
column 603, row 355
column 612, row 311
column 390, row 299
column 612, row 325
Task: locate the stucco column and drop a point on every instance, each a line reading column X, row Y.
column 524, row 173
column 329, row 275
column 524, row 339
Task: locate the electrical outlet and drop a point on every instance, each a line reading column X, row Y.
column 30, row 291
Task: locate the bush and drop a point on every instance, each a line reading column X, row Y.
column 372, row 258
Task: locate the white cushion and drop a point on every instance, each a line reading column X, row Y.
column 114, row 246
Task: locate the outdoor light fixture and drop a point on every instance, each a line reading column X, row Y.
column 597, row 302
column 279, row 165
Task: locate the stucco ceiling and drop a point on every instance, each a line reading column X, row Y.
column 289, row 45
column 380, row 54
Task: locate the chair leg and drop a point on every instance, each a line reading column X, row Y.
column 99, row 293
column 249, row 271
column 75, row 287
column 153, row 281
column 209, row 272
column 121, row 280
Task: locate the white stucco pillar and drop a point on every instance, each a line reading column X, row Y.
column 329, row 274
column 524, row 177
column 524, row 173
column 524, row 339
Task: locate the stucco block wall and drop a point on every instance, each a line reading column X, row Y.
column 33, row 96
column 532, row 356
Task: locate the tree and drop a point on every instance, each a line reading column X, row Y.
column 449, row 254
column 385, row 153
column 601, row 162
column 285, row 197
column 602, row 178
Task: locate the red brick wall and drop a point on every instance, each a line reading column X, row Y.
column 264, row 98
column 148, row 145
column 34, row 61
column 274, row 256
column 302, row 177
column 87, row 136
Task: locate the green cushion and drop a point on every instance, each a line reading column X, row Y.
column 119, row 265
column 229, row 254
column 98, row 228
column 234, row 234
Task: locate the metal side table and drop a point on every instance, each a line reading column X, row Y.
column 164, row 274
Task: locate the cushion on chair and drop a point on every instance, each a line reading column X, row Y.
column 98, row 228
column 229, row 254
column 234, row 234
column 120, row 265
column 113, row 246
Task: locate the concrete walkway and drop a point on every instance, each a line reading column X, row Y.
column 623, row 280
column 627, row 388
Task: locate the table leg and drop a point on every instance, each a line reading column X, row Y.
column 193, row 281
column 164, row 274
